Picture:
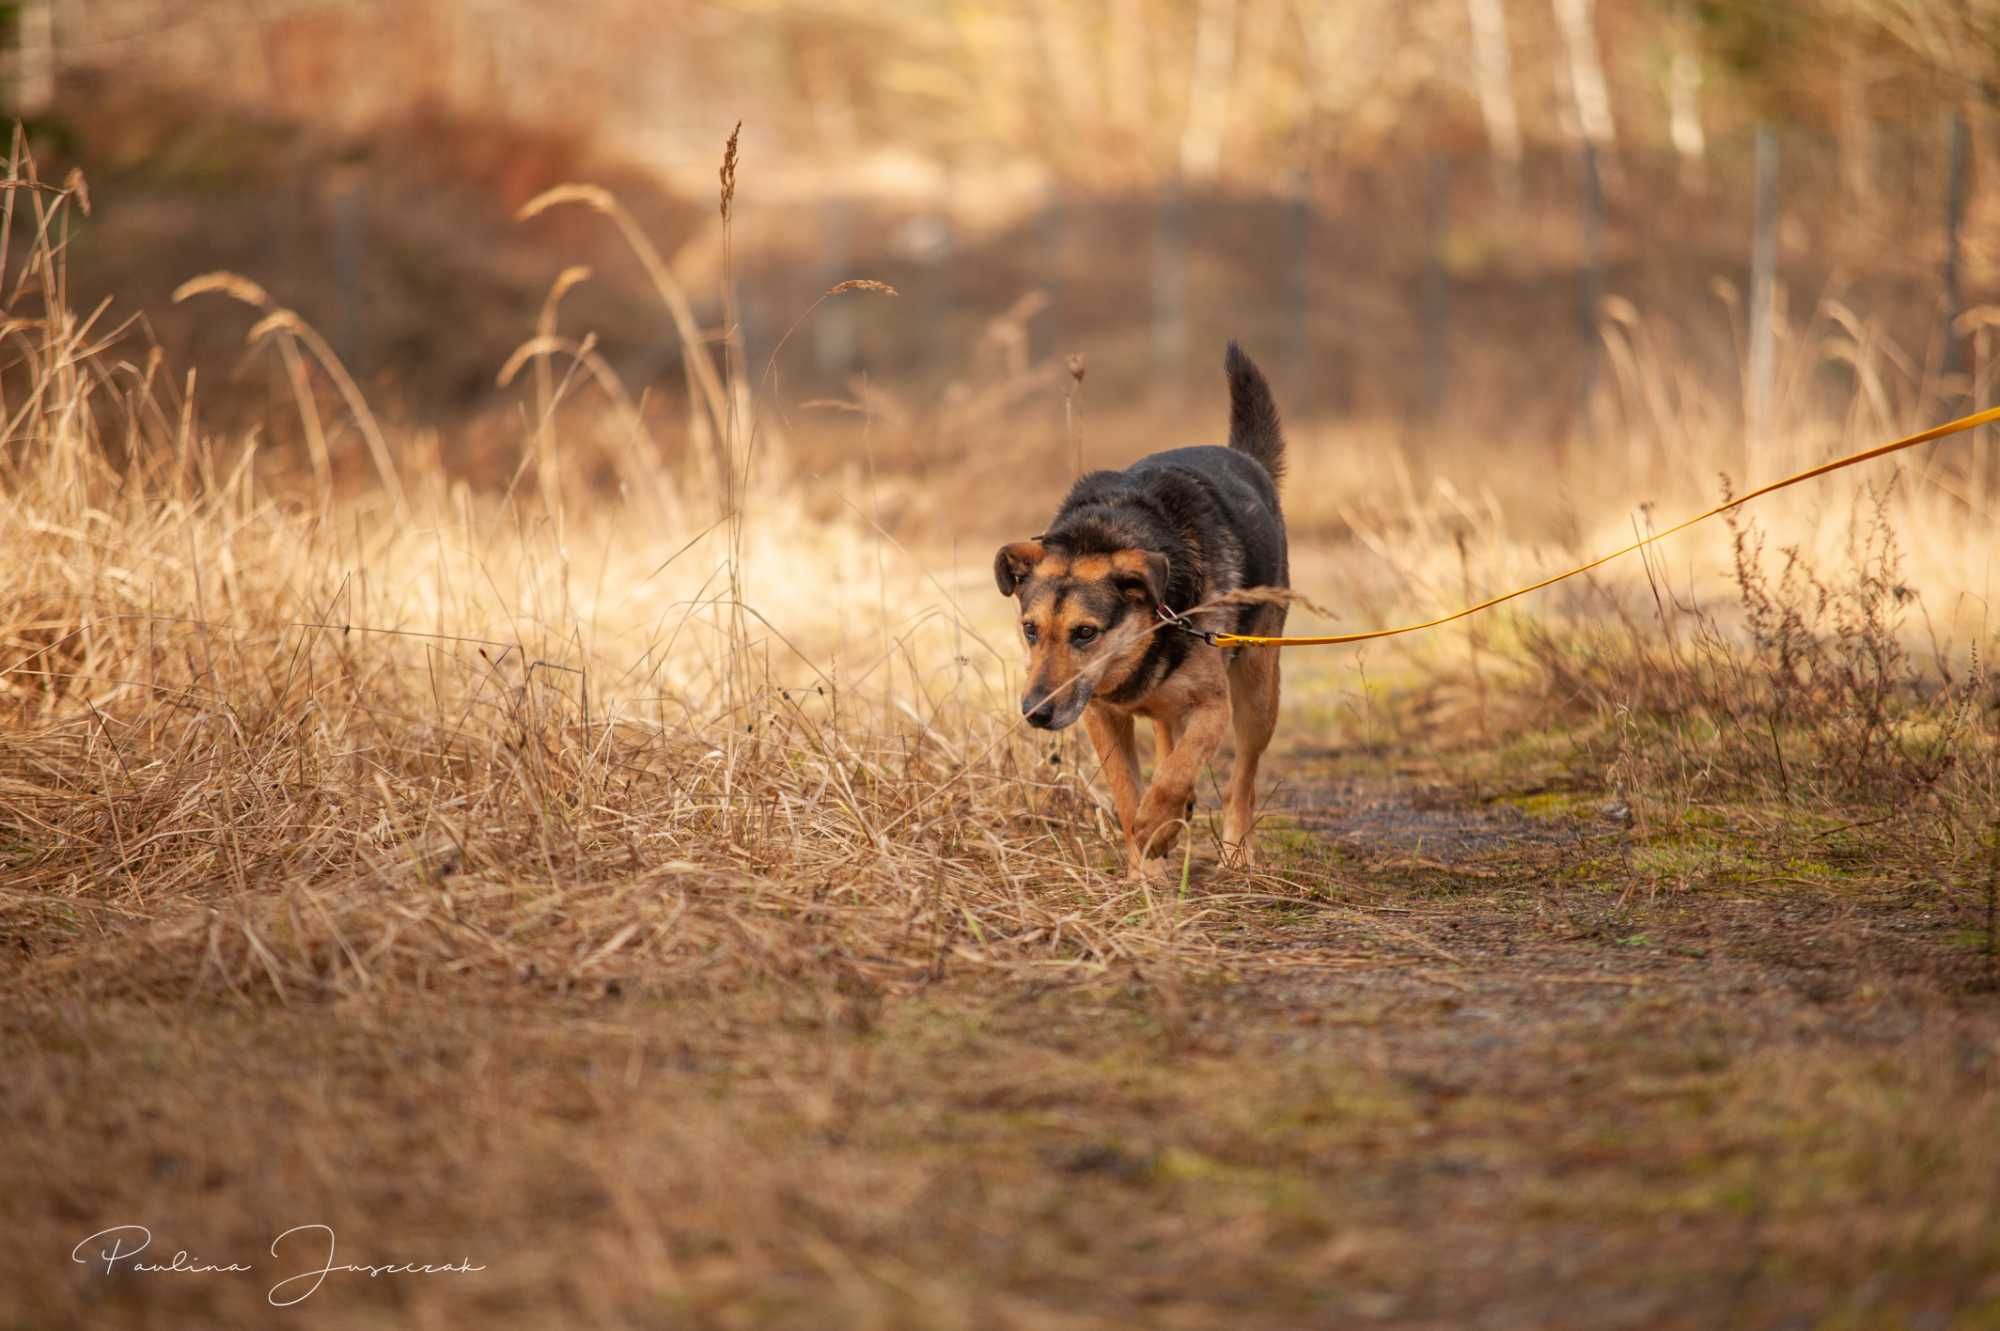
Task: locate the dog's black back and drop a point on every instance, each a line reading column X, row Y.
column 1213, row 512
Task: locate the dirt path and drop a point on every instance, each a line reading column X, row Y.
column 1636, row 1098
column 1462, row 1065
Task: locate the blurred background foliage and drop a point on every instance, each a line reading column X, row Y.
column 1421, row 213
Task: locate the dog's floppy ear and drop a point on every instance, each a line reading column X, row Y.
column 1142, row 575
column 1011, row 565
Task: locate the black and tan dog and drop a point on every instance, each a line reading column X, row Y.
column 1129, row 552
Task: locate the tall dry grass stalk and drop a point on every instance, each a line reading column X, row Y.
column 1667, row 444
column 409, row 736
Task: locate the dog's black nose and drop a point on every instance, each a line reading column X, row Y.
column 1041, row 712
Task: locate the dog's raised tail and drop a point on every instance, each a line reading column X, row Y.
column 1253, row 415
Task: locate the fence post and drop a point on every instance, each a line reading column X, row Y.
column 1761, row 368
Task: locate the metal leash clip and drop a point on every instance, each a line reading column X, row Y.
column 1176, row 619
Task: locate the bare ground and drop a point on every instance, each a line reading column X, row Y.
column 1468, row 1062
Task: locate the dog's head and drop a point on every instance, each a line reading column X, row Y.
column 1086, row 618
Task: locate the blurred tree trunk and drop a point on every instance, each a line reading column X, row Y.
column 1492, row 72
column 1684, row 118
column 1435, row 299
column 34, row 57
column 1208, row 89
column 1125, row 67
column 1069, row 81
column 1590, row 114
column 1590, row 283
column 1760, row 371
column 1299, row 370
column 1349, row 47
column 1956, row 179
column 1170, row 256
column 1855, row 132
column 1578, row 21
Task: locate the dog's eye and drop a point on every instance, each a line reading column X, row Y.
column 1028, row 630
column 1082, row 633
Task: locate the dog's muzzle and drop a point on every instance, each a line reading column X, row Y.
column 1053, row 710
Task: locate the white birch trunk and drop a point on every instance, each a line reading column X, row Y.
column 1492, row 73
column 1578, row 21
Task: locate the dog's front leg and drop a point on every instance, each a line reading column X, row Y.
column 1197, row 733
column 1118, row 753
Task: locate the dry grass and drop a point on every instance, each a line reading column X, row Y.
column 655, row 902
column 441, row 735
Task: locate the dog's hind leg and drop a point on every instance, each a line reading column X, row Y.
column 1253, row 715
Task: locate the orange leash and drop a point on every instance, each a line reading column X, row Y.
column 1988, row 417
